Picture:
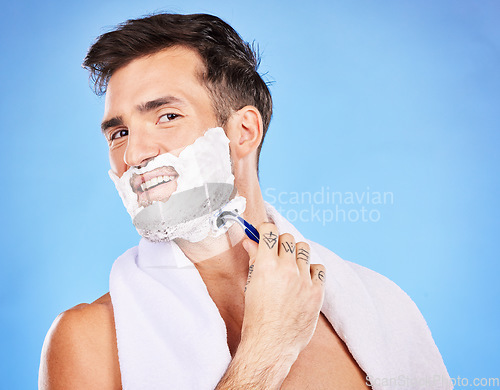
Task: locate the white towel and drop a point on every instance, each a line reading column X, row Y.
column 170, row 334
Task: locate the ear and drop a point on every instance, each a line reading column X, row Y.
column 246, row 131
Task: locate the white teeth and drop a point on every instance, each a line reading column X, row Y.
column 155, row 181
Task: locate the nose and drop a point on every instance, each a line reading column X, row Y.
column 140, row 149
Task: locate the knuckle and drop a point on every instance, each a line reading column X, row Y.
column 266, row 226
column 316, row 293
column 303, row 245
column 287, row 266
column 287, row 237
column 290, row 272
column 267, row 267
column 319, row 267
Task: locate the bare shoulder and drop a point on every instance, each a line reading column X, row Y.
column 79, row 351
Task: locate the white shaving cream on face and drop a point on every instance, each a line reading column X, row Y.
column 174, row 197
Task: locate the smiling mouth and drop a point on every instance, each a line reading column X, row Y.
column 155, row 182
column 156, row 185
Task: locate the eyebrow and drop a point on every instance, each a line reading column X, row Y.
column 115, row 121
column 144, row 107
column 153, row 104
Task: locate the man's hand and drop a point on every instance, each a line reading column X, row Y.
column 283, row 298
column 284, row 293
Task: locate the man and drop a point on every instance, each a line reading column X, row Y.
column 168, row 78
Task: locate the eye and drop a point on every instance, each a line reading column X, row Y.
column 118, row 134
column 167, row 117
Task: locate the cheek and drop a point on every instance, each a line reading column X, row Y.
column 116, row 161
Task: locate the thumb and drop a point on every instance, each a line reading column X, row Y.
column 251, row 248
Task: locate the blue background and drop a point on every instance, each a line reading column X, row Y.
column 390, row 96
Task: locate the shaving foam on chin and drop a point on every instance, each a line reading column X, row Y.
column 203, row 183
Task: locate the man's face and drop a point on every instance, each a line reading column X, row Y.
column 155, row 105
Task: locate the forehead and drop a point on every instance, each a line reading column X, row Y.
column 174, row 71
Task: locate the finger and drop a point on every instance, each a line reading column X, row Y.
column 250, row 270
column 286, row 246
column 268, row 238
column 303, row 257
column 251, row 247
column 318, row 274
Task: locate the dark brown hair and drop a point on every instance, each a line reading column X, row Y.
column 231, row 64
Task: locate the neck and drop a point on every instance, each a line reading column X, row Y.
column 223, row 257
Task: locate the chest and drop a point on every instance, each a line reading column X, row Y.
column 325, row 363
